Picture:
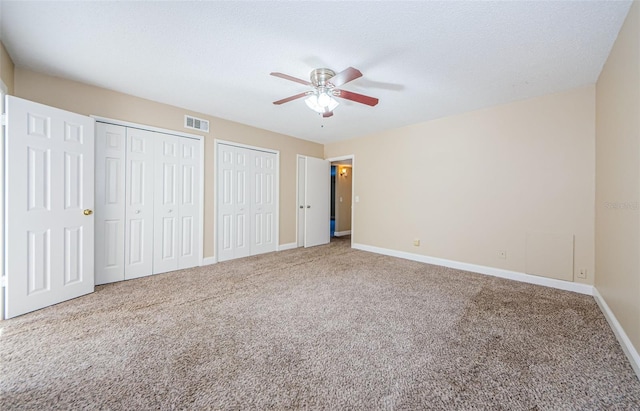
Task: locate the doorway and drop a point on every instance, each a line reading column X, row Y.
column 342, row 189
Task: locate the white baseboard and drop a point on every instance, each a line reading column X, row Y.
column 481, row 269
column 289, row 246
column 623, row 339
column 341, row 233
column 209, row 260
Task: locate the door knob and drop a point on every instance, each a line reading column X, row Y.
column 88, row 212
column 308, row 206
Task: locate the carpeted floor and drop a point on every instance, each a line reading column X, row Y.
column 326, row 327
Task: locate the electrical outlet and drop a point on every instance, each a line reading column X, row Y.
column 416, row 242
column 502, row 254
column 582, row 273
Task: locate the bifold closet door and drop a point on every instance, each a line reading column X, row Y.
column 110, row 202
column 148, row 212
column 246, row 202
column 263, row 204
column 176, row 203
column 139, row 207
column 234, row 208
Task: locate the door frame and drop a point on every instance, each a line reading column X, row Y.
column 216, row 144
column 197, row 137
column 351, row 157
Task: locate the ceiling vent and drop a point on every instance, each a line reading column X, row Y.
column 196, row 123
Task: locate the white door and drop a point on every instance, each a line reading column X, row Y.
column 110, row 202
column 139, row 203
column 233, row 202
column 246, row 202
column 263, row 203
column 189, row 200
column 317, row 207
column 166, row 214
column 49, row 204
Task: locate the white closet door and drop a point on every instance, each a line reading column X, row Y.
column 318, row 199
column 226, row 204
column 233, row 204
column 246, row 202
column 263, row 204
column 139, row 203
column 242, row 199
column 166, row 205
column 49, row 202
column 110, row 202
column 189, row 200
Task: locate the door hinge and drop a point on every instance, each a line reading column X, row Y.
column 3, row 281
column 3, row 119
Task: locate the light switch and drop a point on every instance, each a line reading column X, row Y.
column 357, row 199
column 340, row 199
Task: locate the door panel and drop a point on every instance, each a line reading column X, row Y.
column 318, row 207
column 49, row 183
column 263, row 207
column 188, row 187
column 166, row 206
column 110, row 202
column 226, row 205
column 73, row 242
column 139, row 203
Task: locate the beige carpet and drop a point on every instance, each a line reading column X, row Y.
column 327, row 327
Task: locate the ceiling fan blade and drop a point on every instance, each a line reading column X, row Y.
column 288, row 99
column 327, row 114
column 358, row 98
column 288, row 77
column 345, row 76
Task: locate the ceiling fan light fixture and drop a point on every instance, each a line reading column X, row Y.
column 323, row 99
column 321, row 102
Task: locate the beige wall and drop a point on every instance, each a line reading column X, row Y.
column 618, row 178
column 343, row 209
column 470, row 185
column 6, row 68
column 88, row 100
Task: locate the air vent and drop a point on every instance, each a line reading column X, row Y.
column 196, row 123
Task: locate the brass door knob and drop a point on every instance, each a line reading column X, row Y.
column 88, row 212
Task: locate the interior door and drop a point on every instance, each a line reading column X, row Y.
column 317, row 207
column 168, row 187
column 189, row 199
column 49, row 233
column 110, row 202
column 263, row 203
column 233, row 202
column 139, row 203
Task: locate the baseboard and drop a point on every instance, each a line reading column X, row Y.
column 481, row 269
column 288, row 246
column 623, row 339
column 209, row 260
column 341, row 233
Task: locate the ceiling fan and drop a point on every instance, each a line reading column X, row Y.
column 325, row 85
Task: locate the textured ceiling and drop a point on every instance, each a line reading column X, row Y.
column 422, row 59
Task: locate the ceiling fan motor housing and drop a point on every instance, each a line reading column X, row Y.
column 320, row 77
